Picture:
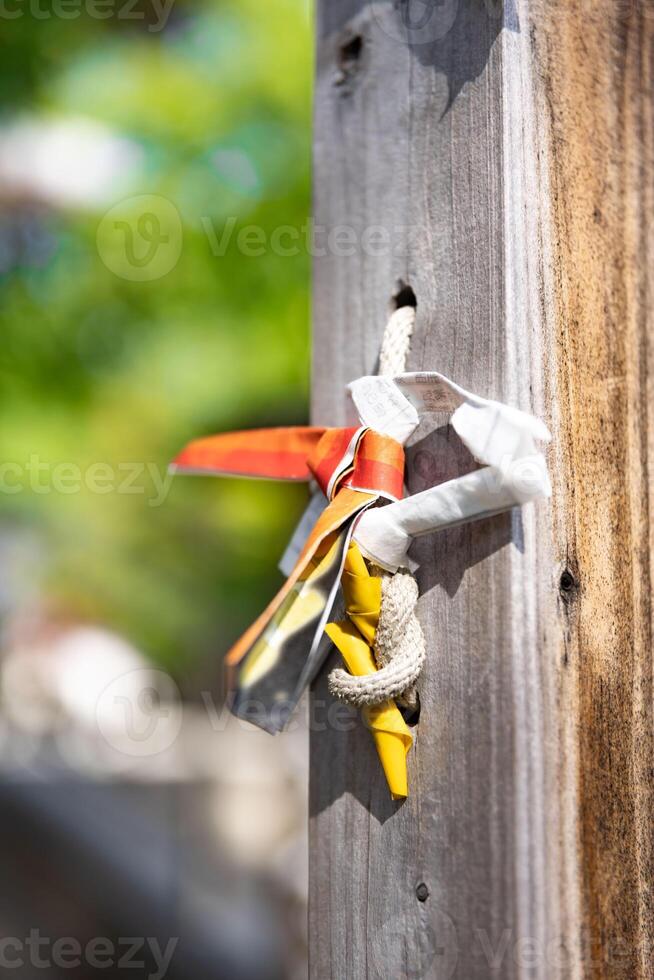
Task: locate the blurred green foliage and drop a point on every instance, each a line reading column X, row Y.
column 95, row 368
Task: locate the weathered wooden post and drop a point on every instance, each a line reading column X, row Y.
column 498, row 159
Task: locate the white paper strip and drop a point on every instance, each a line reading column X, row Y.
column 495, row 434
column 379, row 404
column 384, row 534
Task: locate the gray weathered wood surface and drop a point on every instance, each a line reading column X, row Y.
column 506, row 151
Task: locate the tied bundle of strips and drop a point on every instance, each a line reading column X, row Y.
column 356, row 534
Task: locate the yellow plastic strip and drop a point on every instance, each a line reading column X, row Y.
column 354, row 638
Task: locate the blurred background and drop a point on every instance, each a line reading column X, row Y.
column 154, row 177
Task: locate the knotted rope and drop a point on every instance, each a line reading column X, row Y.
column 399, row 641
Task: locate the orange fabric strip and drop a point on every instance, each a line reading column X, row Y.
column 379, row 465
column 328, row 454
column 278, row 454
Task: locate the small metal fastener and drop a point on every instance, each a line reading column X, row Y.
column 422, row 892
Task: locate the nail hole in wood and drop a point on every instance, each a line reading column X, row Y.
column 568, row 585
column 422, row 892
column 412, row 715
column 349, row 56
column 404, row 296
column 351, row 50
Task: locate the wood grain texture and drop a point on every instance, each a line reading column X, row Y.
column 508, row 160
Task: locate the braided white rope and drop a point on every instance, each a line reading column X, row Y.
column 397, row 341
column 400, row 648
